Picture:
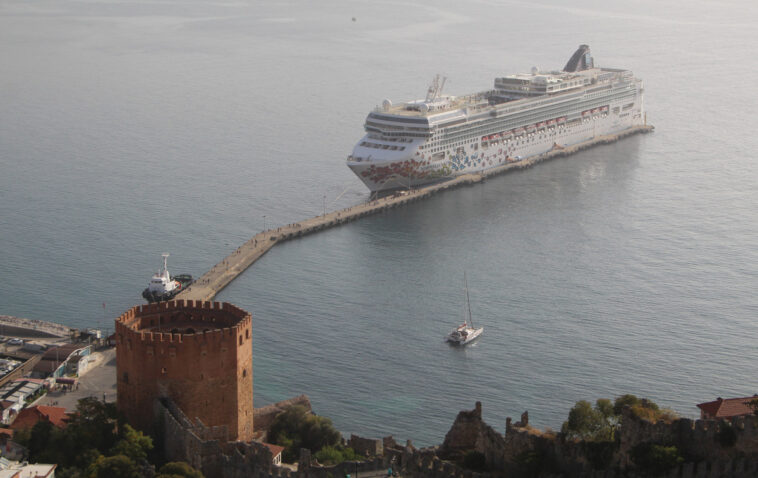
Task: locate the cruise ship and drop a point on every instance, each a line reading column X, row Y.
column 439, row 137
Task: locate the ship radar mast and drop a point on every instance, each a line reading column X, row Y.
column 435, row 89
column 165, row 263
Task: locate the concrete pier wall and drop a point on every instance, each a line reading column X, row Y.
column 213, row 281
column 19, row 327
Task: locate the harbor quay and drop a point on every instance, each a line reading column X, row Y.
column 212, row 282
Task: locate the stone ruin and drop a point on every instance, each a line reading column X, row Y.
column 522, row 451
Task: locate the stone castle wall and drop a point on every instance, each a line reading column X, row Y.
column 199, row 354
column 207, row 449
column 521, row 452
column 697, row 440
column 524, row 451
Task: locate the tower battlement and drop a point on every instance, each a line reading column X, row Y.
column 198, row 354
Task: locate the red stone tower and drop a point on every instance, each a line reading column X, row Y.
column 198, row 354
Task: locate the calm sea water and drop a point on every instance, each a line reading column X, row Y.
column 132, row 128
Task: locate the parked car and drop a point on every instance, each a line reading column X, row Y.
column 16, row 342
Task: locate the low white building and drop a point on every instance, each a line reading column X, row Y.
column 14, row 469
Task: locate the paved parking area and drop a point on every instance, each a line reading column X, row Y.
column 98, row 381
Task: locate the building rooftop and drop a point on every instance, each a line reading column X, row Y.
column 275, row 449
column 726, row 408
column 28, row 417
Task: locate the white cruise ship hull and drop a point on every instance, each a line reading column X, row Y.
column 425, row 141
column 419, row 170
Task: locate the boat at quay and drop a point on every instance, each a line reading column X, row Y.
column 525, row 115
column 163, row 286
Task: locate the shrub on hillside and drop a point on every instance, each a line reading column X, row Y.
column 178, row 469
column 599, row 423
column 296, row 428
column 333, row 455
column 655, row 460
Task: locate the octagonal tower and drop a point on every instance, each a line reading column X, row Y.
column 199, row 354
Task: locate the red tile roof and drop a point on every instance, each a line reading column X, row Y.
column 275, row 449
column 28, row 417
column 731, row 407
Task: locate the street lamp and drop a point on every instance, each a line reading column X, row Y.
column 324, row 205
column 264, row 222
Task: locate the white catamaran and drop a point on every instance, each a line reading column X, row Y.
column 465, row 333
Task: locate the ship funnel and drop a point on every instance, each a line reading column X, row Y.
column 580, row 60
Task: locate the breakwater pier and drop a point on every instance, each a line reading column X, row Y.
column 209, row 284
column 32, row 328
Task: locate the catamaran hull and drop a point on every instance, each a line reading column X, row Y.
column 472, row 336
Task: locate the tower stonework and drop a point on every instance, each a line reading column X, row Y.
column 199, row 354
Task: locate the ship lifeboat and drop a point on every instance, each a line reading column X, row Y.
column 519, row 131
column 561, row 120
column 540, row 125
column 550, row 122
column 604, row 109
column 585, row 113
column 595, row 110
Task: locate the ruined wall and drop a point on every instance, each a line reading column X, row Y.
column 199, row 354
column 366, row 446
column 184, row 441
column 702, row 443
column 697, row 440
column 470, row 432
column 705, row 445
column 209, row 449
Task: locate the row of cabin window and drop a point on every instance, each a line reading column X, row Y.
column 383, row 146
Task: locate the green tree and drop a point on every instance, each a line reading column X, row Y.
column 296, row 428
column 655, row 460
column 40, row 438
column 624, row 400
column 118, row 466
column 178, row 469
column 605, row 407
column 134, row 444
column 333, row 455
column 586, row 422
column 92, row 426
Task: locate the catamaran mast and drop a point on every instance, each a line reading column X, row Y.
column 468, row 302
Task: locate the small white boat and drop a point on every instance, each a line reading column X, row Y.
column 465, row 333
